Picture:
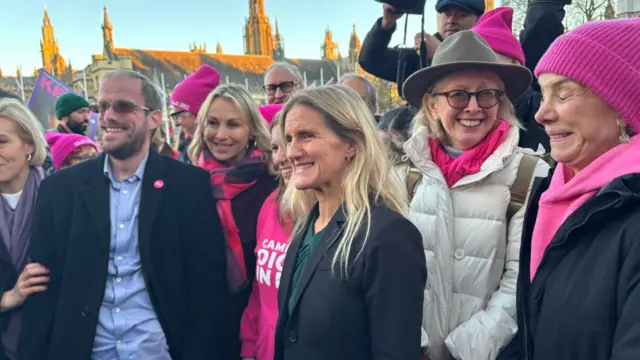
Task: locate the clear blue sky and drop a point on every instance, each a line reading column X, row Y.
column 172, row 25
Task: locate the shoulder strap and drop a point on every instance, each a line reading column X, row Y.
column 521, row 184
column 413, row 178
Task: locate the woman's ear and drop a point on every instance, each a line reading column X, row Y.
column 429, row 104
column 351, row 150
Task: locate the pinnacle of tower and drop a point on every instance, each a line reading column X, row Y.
column 46, row 20
column 106, row 17
column 277, row 30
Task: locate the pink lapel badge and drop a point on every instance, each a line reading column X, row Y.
column 158, row 184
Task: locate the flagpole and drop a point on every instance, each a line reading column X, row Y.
column 165, row 113
column 21, row 85
column 84, row 84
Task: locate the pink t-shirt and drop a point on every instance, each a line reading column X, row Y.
column 257, row 328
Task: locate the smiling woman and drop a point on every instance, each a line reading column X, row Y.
column 349, row 234
column 22, row 152
column 465, row 148
column 580, row 248
column 232, row 143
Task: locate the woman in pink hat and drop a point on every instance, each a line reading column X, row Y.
column 257, row 331
column 70, row 149
column 579, row 283
column 186, row 100
column 495, row 27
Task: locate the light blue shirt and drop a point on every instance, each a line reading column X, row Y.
column 128, row 328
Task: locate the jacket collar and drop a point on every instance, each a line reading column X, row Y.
column 418, row 150
column 96, row 190
column 330, row 235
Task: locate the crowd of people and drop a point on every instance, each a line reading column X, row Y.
column 494, row 216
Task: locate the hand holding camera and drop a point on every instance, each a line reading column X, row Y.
column 389, row 16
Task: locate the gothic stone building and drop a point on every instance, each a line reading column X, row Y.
column 262, row 48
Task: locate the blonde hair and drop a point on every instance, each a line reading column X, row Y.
column 367, row 176
column 245, row 104
column 30, row 129
column 424, row 118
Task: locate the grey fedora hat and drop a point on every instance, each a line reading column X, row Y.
column 465, row 50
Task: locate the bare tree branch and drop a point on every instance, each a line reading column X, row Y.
column 591, row 9
column 519, row 12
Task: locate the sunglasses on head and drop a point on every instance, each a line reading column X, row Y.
column 119, row 106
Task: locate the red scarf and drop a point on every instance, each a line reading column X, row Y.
column 471, row 160
column 227, row 181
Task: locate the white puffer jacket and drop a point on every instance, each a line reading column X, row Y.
column 472, row 259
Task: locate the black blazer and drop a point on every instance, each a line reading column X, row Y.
column 375, row 314
column 8, row 278
column 181, row 249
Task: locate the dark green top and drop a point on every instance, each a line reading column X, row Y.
column 309, row 242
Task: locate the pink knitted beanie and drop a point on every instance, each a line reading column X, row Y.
column 62, row 145
column 193, row 91
column 495, row 27
column 605, row 57
column 269, row 112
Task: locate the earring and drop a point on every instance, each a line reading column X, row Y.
column 624, row 137
column 29, row 158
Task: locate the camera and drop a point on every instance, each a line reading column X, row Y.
column 415, row 7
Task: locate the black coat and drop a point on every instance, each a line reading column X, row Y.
column 181, row 250
column 245, row 208
column 584, row 302
column 8, row 278
column 375, row 314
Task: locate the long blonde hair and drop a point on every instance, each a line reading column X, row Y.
column 245, row 104
column 367, row 176
column 424, row 118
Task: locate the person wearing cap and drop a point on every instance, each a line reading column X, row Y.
column 381, row 61
column 465, row 146
column 495, row 27
column 579, row 287
column 186, row 100
column 73, row 112
column 543, row 24
column 70, row 149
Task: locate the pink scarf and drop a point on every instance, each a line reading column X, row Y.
column 227, row 181
column 471, row 160
column 568, row 191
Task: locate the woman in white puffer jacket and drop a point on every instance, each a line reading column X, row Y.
column 465, row 145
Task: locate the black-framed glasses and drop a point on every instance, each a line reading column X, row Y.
column 78, row 159
column 459, row 99
column 119, row 106
column 286, row 87
column 179, row 114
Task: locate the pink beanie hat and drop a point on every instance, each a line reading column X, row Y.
column 62, row 145
column 605, row 57
column 269, row 111
column 495, row 27
column 193, row 91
